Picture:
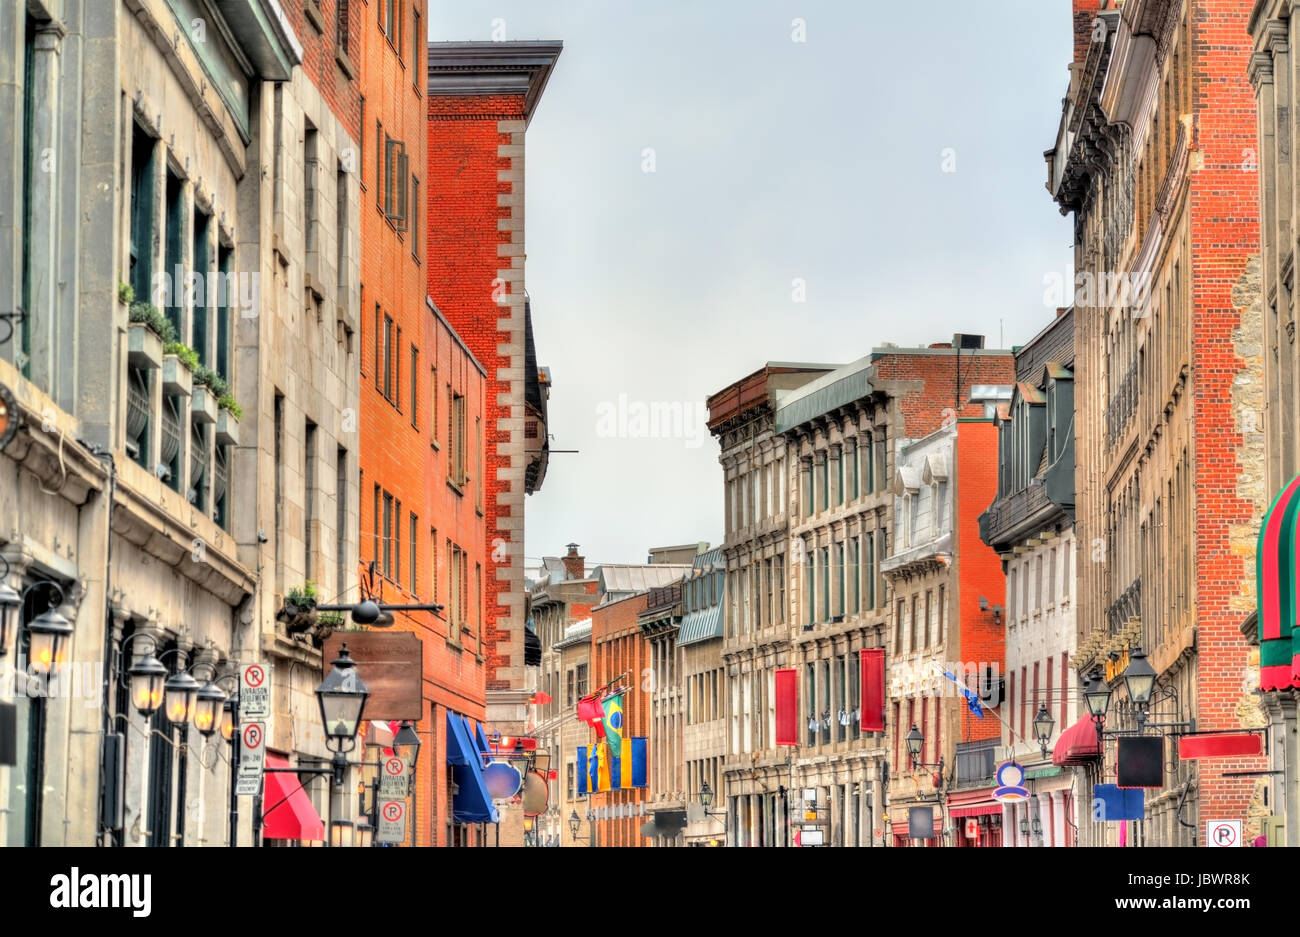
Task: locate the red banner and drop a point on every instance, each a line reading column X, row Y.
column 787, row 707
column 1226, row 745
column 872, row 662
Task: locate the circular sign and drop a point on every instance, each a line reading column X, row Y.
column 536, row 794
column 254, row 675
column 393, row 811
column 252, row 735
column 1224, row 834
column 1011, row 779
column 502, row 780
column 394, row 766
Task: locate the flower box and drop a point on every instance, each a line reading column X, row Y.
column 203, row 406
column 177, row 378
column 144, row 348
column 227, row 428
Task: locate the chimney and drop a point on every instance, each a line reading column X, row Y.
column 1085, row 11
column 574, row 565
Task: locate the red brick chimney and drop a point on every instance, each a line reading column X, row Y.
column 575, row 566
column 1085, row 11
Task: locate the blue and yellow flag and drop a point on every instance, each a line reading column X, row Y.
column 600, row 769
column 613, row 706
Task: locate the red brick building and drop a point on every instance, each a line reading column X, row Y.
column 481, row 97
column 422, row 397
column 1168, row 369
column 621, row 652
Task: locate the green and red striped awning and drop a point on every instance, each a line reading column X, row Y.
column 1276, row 556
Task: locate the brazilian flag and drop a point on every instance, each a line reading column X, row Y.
column 613, row 706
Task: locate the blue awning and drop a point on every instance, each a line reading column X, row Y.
column 471, row 803
column 482, row 739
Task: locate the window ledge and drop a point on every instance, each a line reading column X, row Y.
column 433, row 444
column 313, row 16
column 456, row 488
column 345, row 64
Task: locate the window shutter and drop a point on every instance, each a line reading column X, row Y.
column 402, row 185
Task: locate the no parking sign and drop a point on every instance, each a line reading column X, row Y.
column 392, row 822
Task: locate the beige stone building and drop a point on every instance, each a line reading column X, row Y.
column 182, row 161
column 703, row 682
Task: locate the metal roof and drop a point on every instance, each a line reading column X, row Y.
column 629, row 579
column 839, row 387
column 702, row 625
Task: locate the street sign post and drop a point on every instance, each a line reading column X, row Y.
column 254, row 693
column 252, row 758
column 392, row 822
column 1223, row 833
column 393, row 783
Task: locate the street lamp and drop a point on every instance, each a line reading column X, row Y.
column 1139, row 677
column 1097, row 697
column 706, row 795
column 208, row 704
column 50, row 632
column 342, row 696
column 147, row 677
column 915, row 741
column 406, row 744
column 10, row 600
column 179, row 693
column 342, row 833
column 365, row 832
column 1043, row 726
column 228, row 718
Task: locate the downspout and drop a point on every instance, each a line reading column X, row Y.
column 110, row 660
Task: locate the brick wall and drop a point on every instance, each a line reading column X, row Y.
column 1224, row 205
column 927, row 406
column 618, row 646
column 338, row 89
column 469, row 234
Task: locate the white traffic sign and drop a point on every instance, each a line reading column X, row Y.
column 393, row 781
column 252, row 757
column 392, row 822
column 254, row 693
column 1223, row 833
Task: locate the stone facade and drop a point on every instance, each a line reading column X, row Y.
column 1169, row 368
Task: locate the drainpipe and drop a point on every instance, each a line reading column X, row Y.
column 111, row 662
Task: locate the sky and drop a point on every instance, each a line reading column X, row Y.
column 713, row 186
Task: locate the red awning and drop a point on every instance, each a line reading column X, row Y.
column 980, row 810
column 289, row 813
column 1078, row 745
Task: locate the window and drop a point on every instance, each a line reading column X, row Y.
column 900, row 623
column 456, row 438
column 1067, row 567
column 341, row 25
column 1011, row 594
column 780, row 590
column 278, row 444
column 1038, row 582
column 415, row 526
column 569, row 698
column 310, row 197
column 913, row 631
column 384, row 366
column 478, row 463
column 1051, row 576
column 309, row 498
column 379, row 162
column 387, row 566
column 851, row 454
column 478, row 607
column 433, row 563
column 341, row 225
column 199, row 338
column 433, row 402
column 341, row 519
column 142, row 220
column 394, row 173
column 375, row 521
column 871, row 570
column 826, row 582
column 397, row 541
column 417, row 41
column 582, row 681
column 415, row 389
column 415, row 218
column 397, row 368
column 842, row 576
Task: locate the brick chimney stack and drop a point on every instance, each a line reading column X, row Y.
column 1085, row 11
column 575, row 566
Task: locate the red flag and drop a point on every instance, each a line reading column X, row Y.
column 787, row 707
column 872, row 665
column 541, row 698
column 591, row 712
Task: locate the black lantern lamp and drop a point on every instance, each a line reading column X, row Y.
column 365, row 833
column 1097, row 697
column 49, row 632
column 406, row 744
column 208, row 706
column 179, row 693
column 228, row 719
column 10, row 601
column 342, row 696
column 706, row 795
column 574, row 823
column 342, row 833
column 915, row 742
column 1043, row 726
column 147, row 677
column 1139, row 678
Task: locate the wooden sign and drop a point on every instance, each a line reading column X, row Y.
column 391, row 663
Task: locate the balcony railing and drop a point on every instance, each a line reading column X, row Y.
column 1010, row 512
column 1126, row 607
column 1123, row 404
column 137, row 412
column 171, row 433
column 976, row 763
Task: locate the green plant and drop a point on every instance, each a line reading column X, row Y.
column 330, row 619
column 125, row 293
column 205, row 376
column 302, row 596
column 227, row 402
column 148, row 315
column 187, row 355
